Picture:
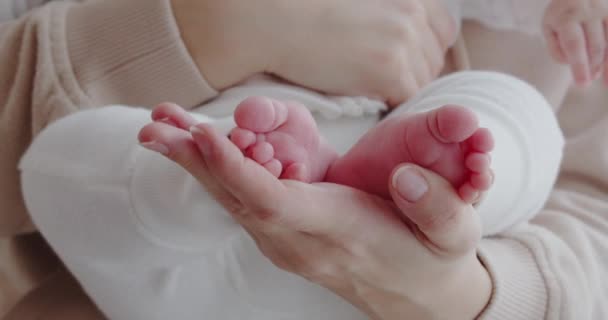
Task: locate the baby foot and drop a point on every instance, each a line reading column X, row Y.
column 282, row 137
column 447, row 141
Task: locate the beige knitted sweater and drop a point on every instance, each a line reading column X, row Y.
column 69, row 56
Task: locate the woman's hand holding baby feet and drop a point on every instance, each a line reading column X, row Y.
column 577, row 34
column 413, row 256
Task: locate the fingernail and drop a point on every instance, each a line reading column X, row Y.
column 410, row 184
column 168, row 121
column 201, row 139
column 156, row 147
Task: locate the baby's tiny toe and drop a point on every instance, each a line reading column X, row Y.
column 478, row 162
column 242, row 138
column 296, row 171
column 260, row 114
column 274, row 166
column 452, row 124
column 482, row 140
column 262, row 152
column 481, row 181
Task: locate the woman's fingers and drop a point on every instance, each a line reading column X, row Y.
column 243, row 187
column 173, row 143
column 174, row 115
column 443, row 222
column 177, row 145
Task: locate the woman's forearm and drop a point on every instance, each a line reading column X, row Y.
column 44, row 302
column 552, row 268
column 68, row 56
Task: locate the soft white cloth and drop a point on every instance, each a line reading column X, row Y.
column 147, row 242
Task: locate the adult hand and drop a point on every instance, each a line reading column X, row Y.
column 415, row 259
column 384, row 49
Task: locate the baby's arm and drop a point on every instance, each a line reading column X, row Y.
column 577, row 35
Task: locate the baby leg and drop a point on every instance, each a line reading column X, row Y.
column 528, row 140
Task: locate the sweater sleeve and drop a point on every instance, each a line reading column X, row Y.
column 553, row 268
column 68, row 56
column 556, row 266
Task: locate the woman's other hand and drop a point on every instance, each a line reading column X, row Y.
column 386, row 49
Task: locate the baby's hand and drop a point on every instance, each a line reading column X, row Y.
column 577, row 35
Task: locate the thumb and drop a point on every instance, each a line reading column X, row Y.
column 450, row 226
